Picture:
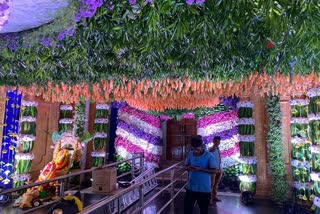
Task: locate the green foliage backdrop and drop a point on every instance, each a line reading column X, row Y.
column 220, row 40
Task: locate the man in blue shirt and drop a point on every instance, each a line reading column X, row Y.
column 200, row 164
column 215, row 178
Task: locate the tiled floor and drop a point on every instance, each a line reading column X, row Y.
column 231, row 204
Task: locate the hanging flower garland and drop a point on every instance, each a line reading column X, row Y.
column 139, row 132
column 247, row 162
column 9, row 137
column 66, row 119
column 4, row 12
column 100, row 139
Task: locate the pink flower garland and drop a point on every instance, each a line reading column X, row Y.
column 232, row 151
column 154, row 121
column 216, row 118
column 131, row 148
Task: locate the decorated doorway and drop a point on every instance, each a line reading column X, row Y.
column 179, row 134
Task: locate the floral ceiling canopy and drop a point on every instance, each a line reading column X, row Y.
column 28, row 14
column 222, row 44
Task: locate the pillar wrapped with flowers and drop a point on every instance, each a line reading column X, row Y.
column 100, row 128
column 26, row 139
column 314, row 134
column 247, row 160
column 301, row 153
column 66, row 118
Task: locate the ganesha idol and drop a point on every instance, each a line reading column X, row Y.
column 67, row 150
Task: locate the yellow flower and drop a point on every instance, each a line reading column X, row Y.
column 1, row 178
column 11, row 147
column 297, row 172
column 4, row 151
column 304, row 198
column 308, row 140
column 318, row 102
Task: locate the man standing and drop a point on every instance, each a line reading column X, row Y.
column 200, row 164
column 215, row 178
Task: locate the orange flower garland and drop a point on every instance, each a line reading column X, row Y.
column 174, row 93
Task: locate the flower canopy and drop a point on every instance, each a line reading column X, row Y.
column 216, row 40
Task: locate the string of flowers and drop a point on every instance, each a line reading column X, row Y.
column 100, row 139
column 312, row 145
column 301, row 154
column 4, row 12
column 223, row 124
column 247, row 160
column 66, row 118
column 26, row 139
column 139, row 132
column 275, row 149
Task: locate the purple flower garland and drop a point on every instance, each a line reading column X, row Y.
column 216, row 118
column 155, row 140
column 4, row 13
column 226, row 134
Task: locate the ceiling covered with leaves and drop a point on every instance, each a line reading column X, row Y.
column 214, row 39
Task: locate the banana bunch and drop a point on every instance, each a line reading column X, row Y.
column 247, row 186
column 28, row 128
column 29, row 111
column 247, row 169
column 303, row 193
column 245, row 112
column 301, row 174
column 315, row 162
column 97, row 161
column 246, row 148
column 246, row 129
column 299, row 111
column 301, row 151
column 232, row 171
column 22, row 166
column 100, row 127
column 299, row 129
column 99, row 143
column 64, row 113
column 64, row 126
column 314, row 131
column 314, row 104
column 316, row 188
column 101, row 113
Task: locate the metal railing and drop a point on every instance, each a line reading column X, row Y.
column 141, row 204
column 62, row 179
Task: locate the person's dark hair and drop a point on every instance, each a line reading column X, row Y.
column 196, row 142
column 217, row 138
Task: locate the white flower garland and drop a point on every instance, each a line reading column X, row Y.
column 26, row 137
column 150, row 165
column 24, row 156
column 29, row 103
column 313, row 117
column 248, row 178
column 299, row 120
column 246, row 104
column 217, row 127
column 102, row 106
column 226, row 144
column 314, row 92
column 123, row 152
column 297, row 185
column 247, row 138
column 299, row 102
column 229, row 161
column 101, row 135
column 300, row 164
column 132, row 120
column 315, row 176
column 21, row 177
column 297, row 140
column 316, row 201
column 315, row 149
column 246, row 121
column 248, row 159
column 153, row 149
column 101, row 120
column 66, row 107
column 66, row 120
column 28, row 119
column 98, row 154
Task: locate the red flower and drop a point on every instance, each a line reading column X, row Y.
column 270, row 45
